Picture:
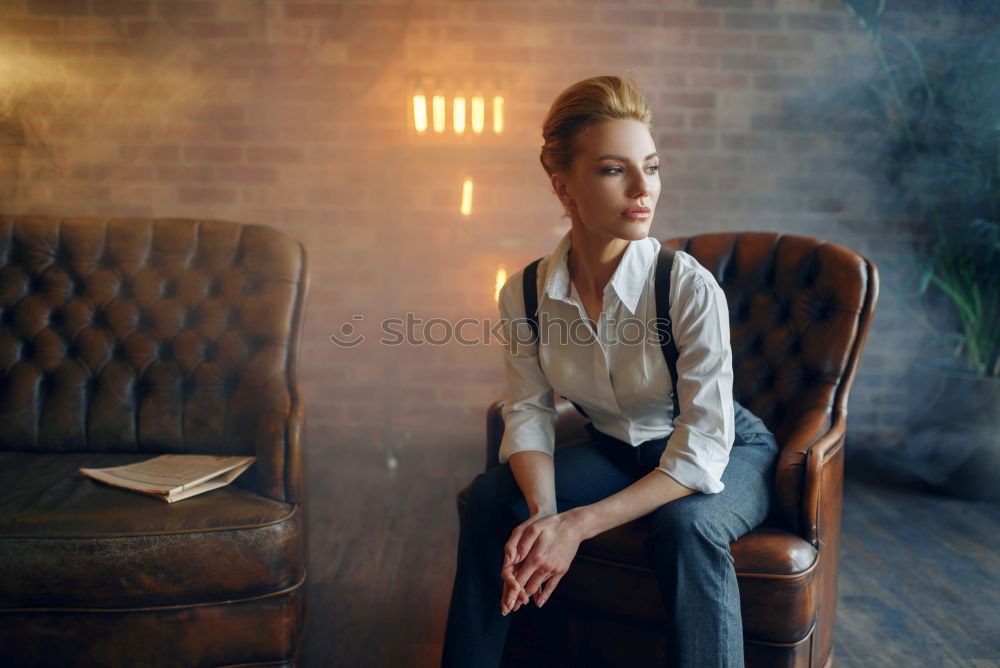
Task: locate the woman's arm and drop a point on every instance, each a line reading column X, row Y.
column 535, row 474
column 640, row 498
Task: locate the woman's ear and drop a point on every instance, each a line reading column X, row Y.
column 562, row 192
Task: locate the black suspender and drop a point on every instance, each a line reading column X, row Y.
column 664, row 328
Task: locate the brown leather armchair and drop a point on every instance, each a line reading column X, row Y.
column 120, row 340
column 800, row 309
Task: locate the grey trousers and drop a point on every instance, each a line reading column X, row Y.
column 688, row 548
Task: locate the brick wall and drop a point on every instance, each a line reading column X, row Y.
column 294, row 114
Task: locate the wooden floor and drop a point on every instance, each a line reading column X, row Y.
column 919, row 581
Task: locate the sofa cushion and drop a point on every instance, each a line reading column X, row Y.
column 69, row 541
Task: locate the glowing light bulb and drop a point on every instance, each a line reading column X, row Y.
column 501, row 279
column 420, row 113
column 478, row 114
column 458, row 114
column 467, row 197
column 437, row 109
column 497, row 114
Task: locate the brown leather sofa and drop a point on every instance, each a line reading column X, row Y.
column 120, row 340
column 800, row 309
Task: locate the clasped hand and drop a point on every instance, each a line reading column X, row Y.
column 537, row 555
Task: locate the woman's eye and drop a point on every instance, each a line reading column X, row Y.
column 618, row 170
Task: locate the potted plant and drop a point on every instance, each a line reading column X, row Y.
column 938, row 106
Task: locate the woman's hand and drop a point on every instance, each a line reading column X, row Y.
column 544, row 545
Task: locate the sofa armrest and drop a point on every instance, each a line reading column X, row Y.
column 570, row 427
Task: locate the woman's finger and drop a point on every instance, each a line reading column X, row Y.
column 539, row 578
column 510, row 548
column 547, row 588
column 512, row 592
column 526, row 541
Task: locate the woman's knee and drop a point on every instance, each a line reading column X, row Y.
column 687, row 519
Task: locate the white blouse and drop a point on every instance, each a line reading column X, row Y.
column 618, row 373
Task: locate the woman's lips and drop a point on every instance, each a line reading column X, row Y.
column 637, row 215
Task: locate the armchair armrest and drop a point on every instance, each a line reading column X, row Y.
column 808, row 479
column 569, row 427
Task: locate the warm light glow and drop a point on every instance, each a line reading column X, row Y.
column 478, row 114
column 420, row 113
column 497, row 114
column 458, row 114
column 438, row 111
column 501, row 279
column 467, row 197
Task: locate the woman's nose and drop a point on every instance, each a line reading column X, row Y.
column 640, row 189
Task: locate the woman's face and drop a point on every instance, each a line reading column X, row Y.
column 615, row 168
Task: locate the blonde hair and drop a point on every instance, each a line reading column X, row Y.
column 586, row 102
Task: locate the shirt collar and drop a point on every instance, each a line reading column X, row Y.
column 628, row 280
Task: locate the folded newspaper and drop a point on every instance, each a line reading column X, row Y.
column 173, row 477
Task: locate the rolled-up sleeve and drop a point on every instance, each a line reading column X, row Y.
column 704, row 431
column 529, row 411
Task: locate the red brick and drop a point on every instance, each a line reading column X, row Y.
column 774, row 81
column 313, row 10
column 645, row 18
column 753, row 21
column 726, row 4
column 81, row 191
column 723, row 40
column 754, row 142
column 749, row 61
column 502, row 55
column 592, row 36
column 682, row 19
column 669, row 120
column 121, row 8
column 121, row 50
column 175, row 173
column 188, row 9
column 217, row 29
column 357, row 13
column 275, row 154
column 473, row 33
column 564, row 15
column 689, row 100
column 154, row 153
column 688, row 59
column 820, row 22
column 681, row 141
column 59, row 49
column 192, row 195
column 704, row 121
column 220, row 113
column 58, row 7
column 626, row 58
column 213, row 153
column 246, row 174
column 506, row 13
column 794, row 42
column 247, row 133
column 30, row 27
column 715, row 80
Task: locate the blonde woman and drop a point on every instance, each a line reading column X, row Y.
column 691, row 457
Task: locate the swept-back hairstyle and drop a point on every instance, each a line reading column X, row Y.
column 586, row 102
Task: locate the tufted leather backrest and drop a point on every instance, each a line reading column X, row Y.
column 167, row 335
column 799, row 311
